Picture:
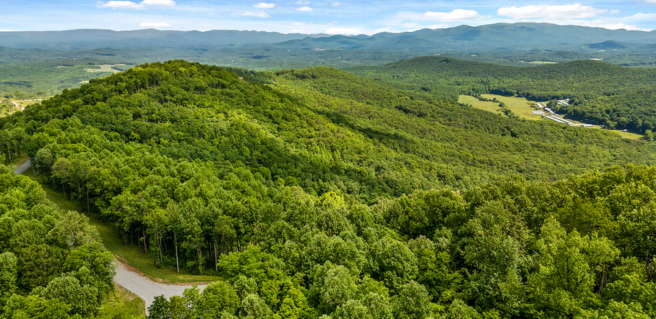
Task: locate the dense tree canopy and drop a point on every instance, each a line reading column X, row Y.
column 601, row 93
column 321, row 194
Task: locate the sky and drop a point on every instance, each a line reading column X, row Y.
column 316, row 16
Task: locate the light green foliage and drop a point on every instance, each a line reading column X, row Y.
column 50, row 256
column 8, row 276
column 567, row 268
column 325, row 194
column 332, row 286
column 352, row 309
column 245, row 286
column 411, row 302
column 217, row 298
column 36, row 307
column 392, row 262
column 82, row 298
column 255, row 308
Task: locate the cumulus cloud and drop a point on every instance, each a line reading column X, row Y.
column 163, row 3
column 302, row 2
column 263, row 5
column 155, row 25
column 616, row 11
column 135, row 6
column 545, row 11
column 335, row 4
column 453, row 16
column 304, row 9
column 256, row 14
column 121, row 5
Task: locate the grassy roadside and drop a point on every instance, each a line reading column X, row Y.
column 131, row 256
column 122, row 304
column 19, row 161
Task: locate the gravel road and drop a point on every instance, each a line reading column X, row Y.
column 140, row 286
column 144, row 288
column 23, row 167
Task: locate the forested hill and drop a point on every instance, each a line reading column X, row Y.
column 540, row 83
column 504, row 36
column 323, row 129
column 587, row 83
column 315, row 192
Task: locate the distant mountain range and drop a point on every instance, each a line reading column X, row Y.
column 517, row 36
column 94, row 39
column 493, row 37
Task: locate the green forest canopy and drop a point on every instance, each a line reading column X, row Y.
column 325, row 194
column 591, row 85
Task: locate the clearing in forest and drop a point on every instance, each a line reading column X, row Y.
column 105, row 68
column 520, row 106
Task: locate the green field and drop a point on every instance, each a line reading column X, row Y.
column 629, row 135
column 520, row 106
column 105, row 68
column 131, row 256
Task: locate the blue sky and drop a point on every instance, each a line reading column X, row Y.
column 315, row 16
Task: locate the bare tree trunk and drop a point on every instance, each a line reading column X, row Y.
column 200, row 258
column 143, row 231
column 175, row 240
column 62, row 182
column 603, row 279
column 88, row 207
column 216, row 260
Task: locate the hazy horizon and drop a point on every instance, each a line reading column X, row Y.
column 312, row 17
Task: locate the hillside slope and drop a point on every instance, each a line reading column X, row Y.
column 315, row 192
column 585, row 82
column 515, row 36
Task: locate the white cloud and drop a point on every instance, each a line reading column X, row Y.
column 304, row 9
column 616, row 11
column 641, row 17
column 155, row 25
column 163, row 3
column 256, row 14
column 455, row 15
column 263, row 5
column 335, row 4
column 600, row 23
column 545, row 11
column 135, row 6
column 121, row 5
column 302, row 2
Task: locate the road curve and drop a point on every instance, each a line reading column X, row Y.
column 23, row 167
column 144, row 288
column 135, row 283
